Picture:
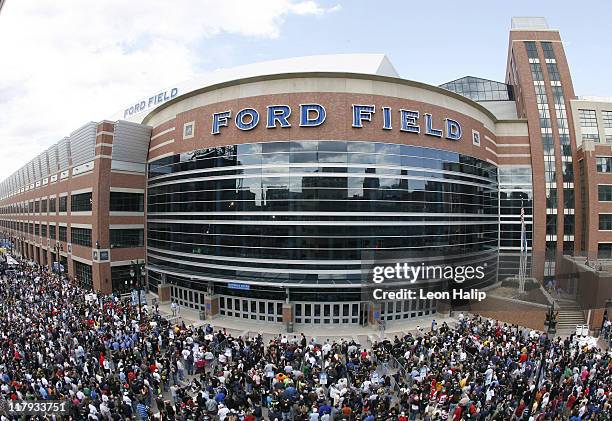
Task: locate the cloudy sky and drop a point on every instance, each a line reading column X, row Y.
column 66, row 62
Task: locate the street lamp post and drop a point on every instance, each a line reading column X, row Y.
column 138, row 274
column 58, row 247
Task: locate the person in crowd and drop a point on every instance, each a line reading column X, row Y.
column 107, row 364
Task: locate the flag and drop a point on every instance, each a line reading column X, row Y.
column 523, row 258
column 523, row 233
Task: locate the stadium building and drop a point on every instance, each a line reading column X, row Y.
column 253, row 192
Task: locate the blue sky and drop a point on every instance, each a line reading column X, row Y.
column 440, row 41
column 76, row 61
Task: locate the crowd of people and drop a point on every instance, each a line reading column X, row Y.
column 108, row 362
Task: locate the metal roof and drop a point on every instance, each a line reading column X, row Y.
column 374, row 64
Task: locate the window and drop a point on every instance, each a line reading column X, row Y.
column 568, row 198
column 605, row 192
column 590, row 137
column 479, row 89
column 122, row 281
column 553, row 72
column 604, row 251
column 568, row 224
column 82, row 273
column 605, row 222
column 588, row 118
column 551, row 224
column 43, row 230
column 188, row 130
column 43, row 206
column 52, row 231
column 126, row 238
column 475, row 138
column 36, row 229
column 530, row 46
column 607, row 119
column 81, row 236
column 52, row 202
column 126, row 202
column 37, row 206
column 80, row 202
column 63, row 233
column 547, row 48
column 604, row 163
column 63, row 203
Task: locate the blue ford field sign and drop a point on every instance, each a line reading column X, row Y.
column 145, row 104
column 313, row 115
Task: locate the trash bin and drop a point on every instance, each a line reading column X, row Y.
column 290, row 327
column 202, row 315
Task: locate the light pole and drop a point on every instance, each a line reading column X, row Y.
column 138, row 274
column 58, row 247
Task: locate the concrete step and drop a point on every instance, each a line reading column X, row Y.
column 569, row 318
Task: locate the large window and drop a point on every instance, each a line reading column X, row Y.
column 126, row 238
column 43, row 206
column 52, row 208
column 478, row 89
column 122, row 281
column 63, row 204
column 81, row 236
column 223, row 209
column 126, row 202
column 80, row 202
column 63, row 233
column 82, row 273
column 532, row 51
column 547, row 48
column 605, row 222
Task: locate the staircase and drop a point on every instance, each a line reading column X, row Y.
column 570, row 315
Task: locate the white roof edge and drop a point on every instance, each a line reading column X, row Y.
column 374, row 64
column 591, row 98
column 525, row 23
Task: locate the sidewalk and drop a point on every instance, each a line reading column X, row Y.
column 360, row 334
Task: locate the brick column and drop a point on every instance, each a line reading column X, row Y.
column 288, row 316
column 211, row 305
column 163, row 293
column 374, row 310
column 101, row 271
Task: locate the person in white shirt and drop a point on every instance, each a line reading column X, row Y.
column 223, row 411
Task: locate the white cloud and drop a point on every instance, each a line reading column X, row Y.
column 68, row 62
